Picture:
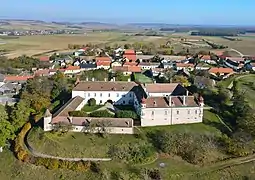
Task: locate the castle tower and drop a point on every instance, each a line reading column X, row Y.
column 47, row 120
column 143, row 102
column 201, row 101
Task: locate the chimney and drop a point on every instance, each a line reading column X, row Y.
column 93, row 79
column 170, row 100
column 184, row 101
column 87, row 79
column 187, row 93
column 113, row 78
column 129, row 79
column 105, row 79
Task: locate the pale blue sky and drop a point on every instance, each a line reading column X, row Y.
column 209, row 12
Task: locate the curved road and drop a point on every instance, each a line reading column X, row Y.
column 37, row 154
column 241, row 54
column 204, row 169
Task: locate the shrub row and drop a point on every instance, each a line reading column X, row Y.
column 49, row 163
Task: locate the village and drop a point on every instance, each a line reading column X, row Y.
column 155, row 87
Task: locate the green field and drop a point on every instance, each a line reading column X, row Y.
column 246, row 85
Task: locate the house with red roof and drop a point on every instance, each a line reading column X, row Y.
column 130, row 55
column 221, row 71
column 106, row 58
column 127, row 70
column 17, row 79
column 44, row 59
column 42, row 72
column 72, row 70
column 103, row 64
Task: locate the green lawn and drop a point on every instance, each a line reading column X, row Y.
column 142, row 78
column 76, row 144
column 88, row 108
column 211, row 124
column 245, row 85
column 12, row 169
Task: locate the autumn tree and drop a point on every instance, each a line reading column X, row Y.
column 181, row 79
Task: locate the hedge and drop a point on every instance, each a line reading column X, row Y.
column 49, row 163
column 101, row 113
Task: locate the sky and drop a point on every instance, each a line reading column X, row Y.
column 197, row 12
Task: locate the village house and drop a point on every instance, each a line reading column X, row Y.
column 42, row 72
column 88, row 66
column 103, row 64
column 233, row 62
column 224, row 72
column 184, row 66
column 130, row 55
column 106, row 58
column 44, row 59
column 116, row 63
column 17, row 79
column 127, row 70
column 72, row 70
column 148, row 65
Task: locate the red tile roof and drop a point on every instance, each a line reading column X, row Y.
column 176, row 101
column 127, row 68
column 129, row 52
column 73, row 68
column 221, row 70
column 103, row 59
column 44, row 58
column 103, row 63
column 18, row 78
column 184, row 65
column 127, row 63
column 104, row 86
column 42, row 72
column 206, row 57
column 130, row 57
column 161, row 87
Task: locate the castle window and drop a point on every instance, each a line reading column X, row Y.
column 118, row 95
column 177, row 112
column 109, row 95
column 165, row 112
column 95, row 94
column 100, row 94
column 88, row 94
column 152, row 113
column 188, row 111
column 195, row 111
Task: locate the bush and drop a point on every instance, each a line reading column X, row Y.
column 78, row 114
column 194, row 148
column 92, row 102
column 20, row 152
column 126, row 114
column 101, row 113
column 132, row 152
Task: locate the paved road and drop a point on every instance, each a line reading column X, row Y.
column 241, row 54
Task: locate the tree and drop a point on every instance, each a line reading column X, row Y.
column 3, row 113
column 6, row 132
column 20, row 114
column 169, row 74
column 119, row 76
column 181, row 79
column 92, row 102
column 126, row 114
